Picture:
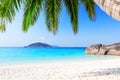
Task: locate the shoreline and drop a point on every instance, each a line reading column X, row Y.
column 92, row 69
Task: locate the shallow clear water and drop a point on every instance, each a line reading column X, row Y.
column 42, row 54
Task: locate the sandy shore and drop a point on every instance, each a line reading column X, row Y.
column 92, row 69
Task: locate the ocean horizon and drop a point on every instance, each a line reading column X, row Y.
column 21, row 54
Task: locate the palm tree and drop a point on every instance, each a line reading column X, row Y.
column 111, row 7
column 52, row 9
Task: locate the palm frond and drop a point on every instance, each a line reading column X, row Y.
column 72, row 8
column 52, row 11
column 90, row 8
column 7, row 11
column 31, row 13
column 2, row 25
column 8, row 8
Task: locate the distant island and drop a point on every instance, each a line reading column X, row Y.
column 39, row 45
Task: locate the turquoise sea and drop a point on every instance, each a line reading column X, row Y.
column 42, row 54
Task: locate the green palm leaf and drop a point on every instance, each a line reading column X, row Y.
column 8, row 8
column 52, row 11
column 90, row 8
column 72, row 7
column 2, row 25
column 31, row 13
column 7, row 11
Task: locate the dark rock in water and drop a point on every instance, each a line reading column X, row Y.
column 101, row 49
column 39, row 45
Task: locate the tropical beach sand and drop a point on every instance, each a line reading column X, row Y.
column 88, row 69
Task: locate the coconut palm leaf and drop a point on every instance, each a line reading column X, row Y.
column 72, row 8
column 31, row 13
column 52, row 11
column 8, row 8
column 7, row 11
column 90, row 8
column 2, row 25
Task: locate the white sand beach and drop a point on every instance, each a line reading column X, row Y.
column 92, row 69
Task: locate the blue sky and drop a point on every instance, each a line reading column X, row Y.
column 103, row 29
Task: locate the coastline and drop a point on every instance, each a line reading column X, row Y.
column 87, row 69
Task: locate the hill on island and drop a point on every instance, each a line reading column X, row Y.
column 39, row 45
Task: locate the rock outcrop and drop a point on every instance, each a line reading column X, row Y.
column 111, row 7
column 101, row 49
